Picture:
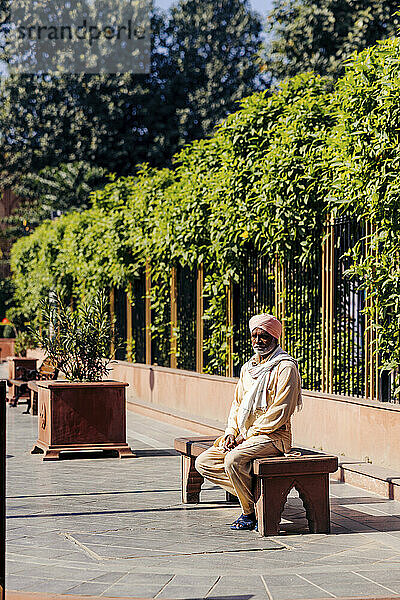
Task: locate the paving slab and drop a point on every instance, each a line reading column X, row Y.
column 113, row 528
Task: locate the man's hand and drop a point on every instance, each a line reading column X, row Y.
column 229, row 442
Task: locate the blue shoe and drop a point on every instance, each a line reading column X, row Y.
column 245, row 523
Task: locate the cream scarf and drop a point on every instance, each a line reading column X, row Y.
column 256, row 396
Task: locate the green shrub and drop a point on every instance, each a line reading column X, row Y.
column 77, row 342
column 8, row 331
column 23, row 342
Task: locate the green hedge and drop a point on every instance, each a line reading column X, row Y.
column 267, row 178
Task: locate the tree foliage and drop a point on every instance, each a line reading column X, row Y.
column 265, row 181
column 212, row 50
column 52, row 192
column 204, row 59
column 320, row 35
column 366, row 180
column 246, row 184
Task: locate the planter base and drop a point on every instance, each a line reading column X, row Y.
column 53, row 452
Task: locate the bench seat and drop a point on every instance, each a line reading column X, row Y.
column 18, row 369
column 20, row 390
column 305, row 470
column 17, row 382
column 46, row 371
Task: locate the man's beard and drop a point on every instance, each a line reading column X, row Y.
column 264, row 350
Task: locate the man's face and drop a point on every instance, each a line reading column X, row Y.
column 262, row 341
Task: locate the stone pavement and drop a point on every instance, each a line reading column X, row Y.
column 116, row 528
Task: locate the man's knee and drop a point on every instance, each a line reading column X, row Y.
column 231, row 461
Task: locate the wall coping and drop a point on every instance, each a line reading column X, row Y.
column 353, row 400
column 195, row 374
column 216, row 426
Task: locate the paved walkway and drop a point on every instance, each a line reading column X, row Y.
column 116, row 528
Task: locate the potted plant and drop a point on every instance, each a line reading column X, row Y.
column 84, row 411
column 23, row 342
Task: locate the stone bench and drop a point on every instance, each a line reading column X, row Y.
column 20, row 390
column 26, row 386
column 305, row 470
column 18, row 369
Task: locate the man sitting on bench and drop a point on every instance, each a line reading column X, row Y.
column 267, row 394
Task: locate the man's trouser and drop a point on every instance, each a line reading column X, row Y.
column 233, row 470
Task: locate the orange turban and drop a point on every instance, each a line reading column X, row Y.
column 268, row 323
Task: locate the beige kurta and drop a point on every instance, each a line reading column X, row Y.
column 268, row 433
column 273, row 421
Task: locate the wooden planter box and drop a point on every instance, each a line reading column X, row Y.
column 6, row 348
column 13, row 363
column 81, row 416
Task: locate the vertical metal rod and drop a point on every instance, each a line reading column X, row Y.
column 199, row 318
column 371, row 379
column 308, row 294
column 279, row 295
column 147, row 310
column 323, row 310
column 283, row 340
column 3, row 489
column 229, row 333
column 353, row 343
column 367, row 352
column 312, row 287
column 361, row 333
column 276, row 277
column 367, row 339
column 318, row 317
column 366, row 328
column 340, row 341
column 361, row 330
column 371, row 334
column 331, row 302
column 174, row 317
column 375, row 318
column 112, row 317
column 129, row 323
column 341, row 363
column 327, row 305
column 349, row 332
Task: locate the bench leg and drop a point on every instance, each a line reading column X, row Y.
column 19, row 392
column 28, row 404
column 314, row 492
column 34, row 401
column 270, row 498
column 191, row 481
column 271, row 495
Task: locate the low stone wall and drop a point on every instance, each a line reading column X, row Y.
column 366, row 432
column 187, row 392
column 353, row 427
column 349, row 427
